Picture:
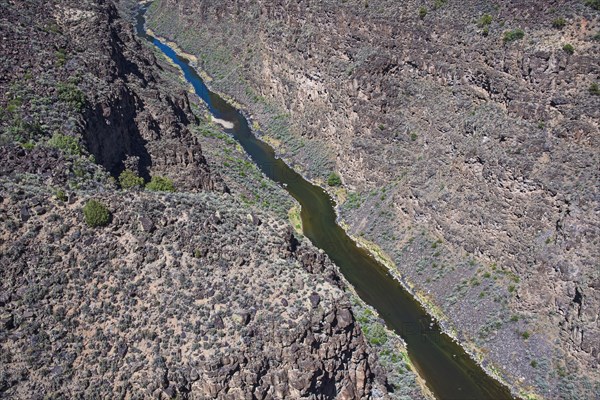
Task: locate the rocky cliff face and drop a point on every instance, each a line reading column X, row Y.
column 193, row 294
column 75, row 69
column 467, row 137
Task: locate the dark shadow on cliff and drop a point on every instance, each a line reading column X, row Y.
column 112, row 135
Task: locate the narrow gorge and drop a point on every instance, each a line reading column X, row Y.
column 464, row 137
column 281, row 200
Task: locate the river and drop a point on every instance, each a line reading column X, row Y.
column 448, row 370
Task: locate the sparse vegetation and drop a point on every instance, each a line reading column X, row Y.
column 353, row 201
column 68, row 144
column 295, row 218
column 568, row 48
column 160, row 184
column 485, row 20
column 514, row 35
column 28, row 145
column 391, row 353
column 422, row 12
column 559, row 23
column 96, row 214
column 376, row 334
column 61, row 57
column 437, row 4
column 129, row 180
column 595, row 4
column 594, row 89
column 71, row 94
column 60, row 195
column 20, row 131
column 334, row 179
column 52, row 28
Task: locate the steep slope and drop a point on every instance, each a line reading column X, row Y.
column 75, row 70
column 193, row 294
column 466, row 135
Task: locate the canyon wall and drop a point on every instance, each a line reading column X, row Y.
column 467, row 138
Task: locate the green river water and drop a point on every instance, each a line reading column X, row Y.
column 448, row 370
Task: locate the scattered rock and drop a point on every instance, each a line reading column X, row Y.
column 25, row 214
column 315, row 299
column 147, row 224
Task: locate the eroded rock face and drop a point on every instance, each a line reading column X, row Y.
column 75, row 68
column 472, row 160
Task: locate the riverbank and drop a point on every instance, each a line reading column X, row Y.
column 390, row 347
column 426, row 164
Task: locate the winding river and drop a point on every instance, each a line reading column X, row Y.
column 449, row 372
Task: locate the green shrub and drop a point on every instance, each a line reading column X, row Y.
column 559, row 23
column 14, row 105
column 439, row 4
column 568, row 48
column 525, row 335
column 377, row 335
column 334, row 179
column 71, row 94
column 422, row 12
column 29, row 145
column 485, row 20
column 160, row 184
column 61, row 57
column 129, row 179
column 68, row 144
column 515, row 34
column 96, row 214
column 595, row 4
column 594, row 89
column 596, row 37
column 60, row 195
column 353, row 201
column 53, row 27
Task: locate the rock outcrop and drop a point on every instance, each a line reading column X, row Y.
column 467, row 137
column 182, row 295
column 76, row 69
